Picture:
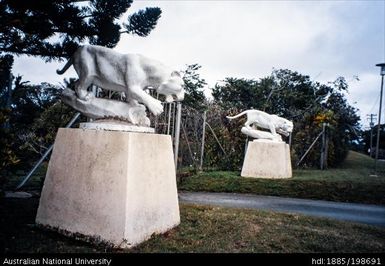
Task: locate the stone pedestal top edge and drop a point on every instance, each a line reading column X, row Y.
column 115, row 126
column 268, row 141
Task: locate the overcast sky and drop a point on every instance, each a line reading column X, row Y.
column 247, row 39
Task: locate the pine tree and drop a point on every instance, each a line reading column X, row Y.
column 194, row 85
column 53, row 29
column 6, row 78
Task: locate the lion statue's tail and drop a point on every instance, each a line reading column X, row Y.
column 236, row 116
column 67, row 65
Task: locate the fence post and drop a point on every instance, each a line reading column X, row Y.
column 203, row 142
column 169, row 118
column 326, row 146
column 371, row 142
column 173, row 120
column 322, row 162
column 290, row 139
column 177, row 133
column 246, row 145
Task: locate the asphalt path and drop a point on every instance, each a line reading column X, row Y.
column 353, row 212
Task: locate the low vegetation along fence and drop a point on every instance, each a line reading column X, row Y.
column 207, row 140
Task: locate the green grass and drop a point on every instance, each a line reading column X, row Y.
column 349, row 183
column 214, row 229
column 34, row 183
column 352, row 182
column 204, row 229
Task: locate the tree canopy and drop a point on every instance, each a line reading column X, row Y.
column 307, row 103
column 193, row 85
column 53, row 29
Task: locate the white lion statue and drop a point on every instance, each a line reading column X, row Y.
column 274, row 123
column 128, row 73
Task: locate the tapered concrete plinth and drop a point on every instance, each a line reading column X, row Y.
column 118, row 187
column 267, row 159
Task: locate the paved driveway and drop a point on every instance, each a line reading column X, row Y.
column 360, row 213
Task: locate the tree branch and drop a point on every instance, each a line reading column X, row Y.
column 33, row 53
column 88, row 16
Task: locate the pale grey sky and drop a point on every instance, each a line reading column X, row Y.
column 247, row 39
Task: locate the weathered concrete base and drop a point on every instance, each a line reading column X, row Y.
column 119, row 187
column 267, row 159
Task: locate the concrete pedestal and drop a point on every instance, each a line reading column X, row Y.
column 118, row 187
column 267, row 159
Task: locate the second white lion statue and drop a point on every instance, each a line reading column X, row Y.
column 274, row 123
column 128, row 73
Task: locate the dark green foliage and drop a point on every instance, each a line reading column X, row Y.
column 6, row 78
column 144, row 21
column 366, row 141
column 288, row 94
column 8, row 157
column 344, row 126
column 194, row 105
column 307, row 103
column 34, row 115
column 53, row 29
column 194, row 85
column 229, row 137
column 239, row 93
column 29, row 101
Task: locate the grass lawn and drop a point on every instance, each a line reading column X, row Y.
column 203, row 229
column 349, row 183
